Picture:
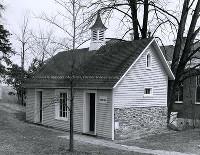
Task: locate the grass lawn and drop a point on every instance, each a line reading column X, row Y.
column 21, row 138
column 187, row 141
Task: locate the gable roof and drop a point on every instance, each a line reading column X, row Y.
column 104, row 68
column 168, row 51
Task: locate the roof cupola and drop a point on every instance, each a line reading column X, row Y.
column 97, row 33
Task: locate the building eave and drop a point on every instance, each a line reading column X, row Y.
column 164, row 61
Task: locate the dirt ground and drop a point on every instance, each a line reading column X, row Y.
column 18, row 137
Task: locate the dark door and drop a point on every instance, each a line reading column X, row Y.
column 40, row 102
column 92, row 111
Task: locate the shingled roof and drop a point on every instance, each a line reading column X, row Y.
column 102, row 68
column 61, row 63
column 169, row 50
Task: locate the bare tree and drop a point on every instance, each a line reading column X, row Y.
column 181, row 57
column 44, row 45
column 24, row 39
column 153, row 18
column 143, row 17
column 75, row 28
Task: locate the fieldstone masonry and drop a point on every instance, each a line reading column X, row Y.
column 138, row 122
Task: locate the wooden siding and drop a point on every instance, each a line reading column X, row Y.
column 130, row 91
column 104, row 115
column 30, row 103
column 49, row 111
column 103, row 111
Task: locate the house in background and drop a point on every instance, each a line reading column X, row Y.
column 120, row 87
column 187, row 102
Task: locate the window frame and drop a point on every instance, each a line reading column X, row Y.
column 179, row 95
column 197, row 85
column 148, row 60
column 151, row 92
column 57, row 104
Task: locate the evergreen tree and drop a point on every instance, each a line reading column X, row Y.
column 5, row 47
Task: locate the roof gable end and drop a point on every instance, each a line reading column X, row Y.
column 161, row 56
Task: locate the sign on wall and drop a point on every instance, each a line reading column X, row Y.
column 103, row 99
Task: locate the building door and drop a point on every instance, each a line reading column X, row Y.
column 92, row 112
column 38, row 107
column 40, row 104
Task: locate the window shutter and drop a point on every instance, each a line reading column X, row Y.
column 94, row 35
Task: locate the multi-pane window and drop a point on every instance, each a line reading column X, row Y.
column 148, row 61
column 198, row 90
column 63, row 109
column 148, row 91
column 179, row 94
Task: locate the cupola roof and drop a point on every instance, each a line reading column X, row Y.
column 98, row 23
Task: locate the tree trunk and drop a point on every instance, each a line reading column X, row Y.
column 145, row 19
column 133, row 5
column 179, row 40
column 180, row 60
column 22, row 73
column 171, row 98
column 176, row 57
column 71, row 143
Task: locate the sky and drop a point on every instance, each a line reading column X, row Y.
column 14, row 13
column 15, row 10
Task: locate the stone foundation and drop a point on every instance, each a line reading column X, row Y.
column 183, row 123
column 138, row 122
column 183, row 120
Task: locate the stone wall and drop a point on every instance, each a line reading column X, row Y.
column 137, row 122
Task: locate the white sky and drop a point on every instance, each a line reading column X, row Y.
column 14, row 13
column 17, row 9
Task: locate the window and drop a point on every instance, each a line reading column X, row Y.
column 61, row 105
column 148, row 91
column 198, row 90
column 179, row 94
column 94, row 35
column 148, row 61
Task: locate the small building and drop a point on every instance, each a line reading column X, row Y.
column 119, row 87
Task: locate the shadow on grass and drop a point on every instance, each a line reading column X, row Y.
column 21, row 116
